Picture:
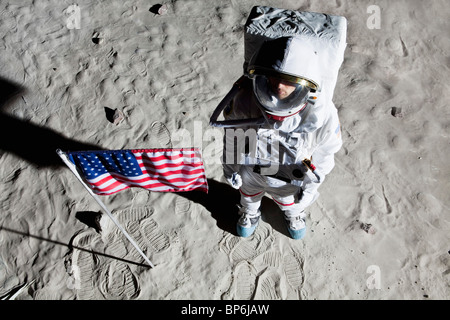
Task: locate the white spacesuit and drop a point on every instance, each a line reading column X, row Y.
column 287, row 146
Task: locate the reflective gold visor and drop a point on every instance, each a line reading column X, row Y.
column 297, row 80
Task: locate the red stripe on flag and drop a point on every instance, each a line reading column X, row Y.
column 148, row 181
column 165, row 170
column 196, row 184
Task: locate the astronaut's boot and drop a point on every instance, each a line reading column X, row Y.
column 296, row 226
column 247, row 222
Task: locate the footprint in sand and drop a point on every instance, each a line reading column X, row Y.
column 117, row 281
column 181, row 274
column 162, row 134
column 240, row 249
column 8, row 21
column 243, row 282
column 154, row 236
column 134, row 214
column 293, row 270
column 182, row 205
column 271, row 259
column 84, row 266
column 268, row 286
column 142, row 229
column 115, row 245
column 134, row 229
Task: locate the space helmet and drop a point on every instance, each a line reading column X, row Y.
column 278, row 85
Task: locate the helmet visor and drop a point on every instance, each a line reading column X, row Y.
column 278, row 95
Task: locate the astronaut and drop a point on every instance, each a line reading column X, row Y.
column 287, row 148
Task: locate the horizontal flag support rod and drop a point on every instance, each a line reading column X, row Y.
column 72, row 168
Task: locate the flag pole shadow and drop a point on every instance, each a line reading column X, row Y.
column 70, row 246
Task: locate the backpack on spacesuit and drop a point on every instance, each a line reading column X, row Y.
column 322, row 43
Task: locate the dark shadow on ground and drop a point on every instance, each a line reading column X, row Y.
column 221, row 201
column 31, row 142
column 271, row 214
column 90, row 218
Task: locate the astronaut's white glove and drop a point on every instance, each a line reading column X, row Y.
column 235, row 180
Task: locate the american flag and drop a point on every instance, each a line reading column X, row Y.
column 164, row 170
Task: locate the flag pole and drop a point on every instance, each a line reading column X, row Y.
column 72, row 168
